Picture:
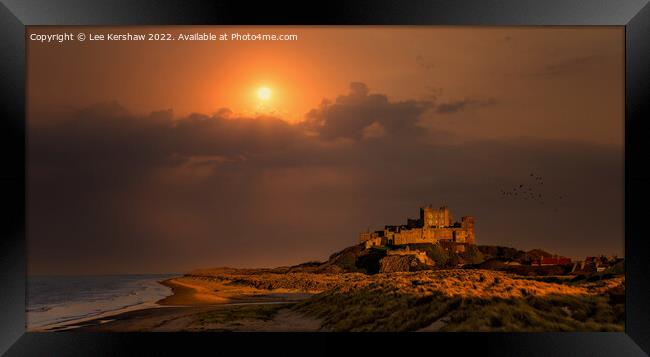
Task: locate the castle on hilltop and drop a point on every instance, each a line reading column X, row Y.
column 434, row 225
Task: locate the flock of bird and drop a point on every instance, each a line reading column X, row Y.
column 530, row 191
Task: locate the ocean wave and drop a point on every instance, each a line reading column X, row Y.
column 55, row 300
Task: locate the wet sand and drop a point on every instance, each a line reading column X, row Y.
column 190, row 319
column 184, row 293
column 207, row 306
column 427, row 301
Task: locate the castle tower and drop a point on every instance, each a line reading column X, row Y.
column 467, row 222
column 435, row 217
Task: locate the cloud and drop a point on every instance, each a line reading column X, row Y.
column 375, row 130
column 107, row 135
column 567, row 66
column 353, row 113
column 463, row 104
column 111, row 191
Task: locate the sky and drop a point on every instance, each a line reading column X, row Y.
column 161, row 156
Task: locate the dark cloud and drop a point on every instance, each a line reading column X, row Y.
column 110, row 191
column 107, row 135
column 463, row 104
column 567, row 66
column 351, row 114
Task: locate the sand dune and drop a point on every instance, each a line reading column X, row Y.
column 435, row 300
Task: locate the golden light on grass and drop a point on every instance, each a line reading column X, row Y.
column 434, row 300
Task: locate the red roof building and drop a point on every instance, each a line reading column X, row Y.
column 552, row 261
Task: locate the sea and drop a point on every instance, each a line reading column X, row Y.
column 55, row 300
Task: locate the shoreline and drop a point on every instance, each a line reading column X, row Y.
column 188, row 295
column 72, row 322
column 260, row 301
column 186, row 299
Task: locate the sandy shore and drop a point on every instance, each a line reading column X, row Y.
column 437, row 300
column 185, row 293
column 199, row 305
column 228, row 317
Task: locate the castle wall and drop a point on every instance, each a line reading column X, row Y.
column 375, row 242
column 364, row 236
column 444, row 233
column 407, row 236
column 433, row 226
column 431, row 235
column 467, row 222
column 390, row 237
column 460, row 235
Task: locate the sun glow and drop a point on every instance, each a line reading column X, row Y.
column 264, row 93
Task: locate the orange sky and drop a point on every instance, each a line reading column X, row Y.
column 563, row 68
column 123, row 179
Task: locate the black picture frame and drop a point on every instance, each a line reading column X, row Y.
column 15, row 15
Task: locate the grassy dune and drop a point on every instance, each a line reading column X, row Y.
column 433, row 300
column 460, row 300
column 266, row 279
column 237, row 313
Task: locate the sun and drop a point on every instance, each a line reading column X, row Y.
column 264, row 93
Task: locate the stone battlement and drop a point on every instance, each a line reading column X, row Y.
column 433, row 225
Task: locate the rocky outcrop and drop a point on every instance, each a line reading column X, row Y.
column 343, row 261
column 396, row 263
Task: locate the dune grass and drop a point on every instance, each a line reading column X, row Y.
column 226, row 314
column 445, row 300
column 465, row 301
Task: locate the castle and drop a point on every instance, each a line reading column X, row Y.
column 434, row 225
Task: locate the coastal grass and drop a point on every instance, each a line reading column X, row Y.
column 433, row 300
column 365, row 310
column 486, row 301
column 230, row 314
column 537, row 314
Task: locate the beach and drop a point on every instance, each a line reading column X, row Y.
column 437, row 300
column 198, row 304
column 56, row 302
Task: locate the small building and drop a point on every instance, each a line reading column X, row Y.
column 552, row 261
